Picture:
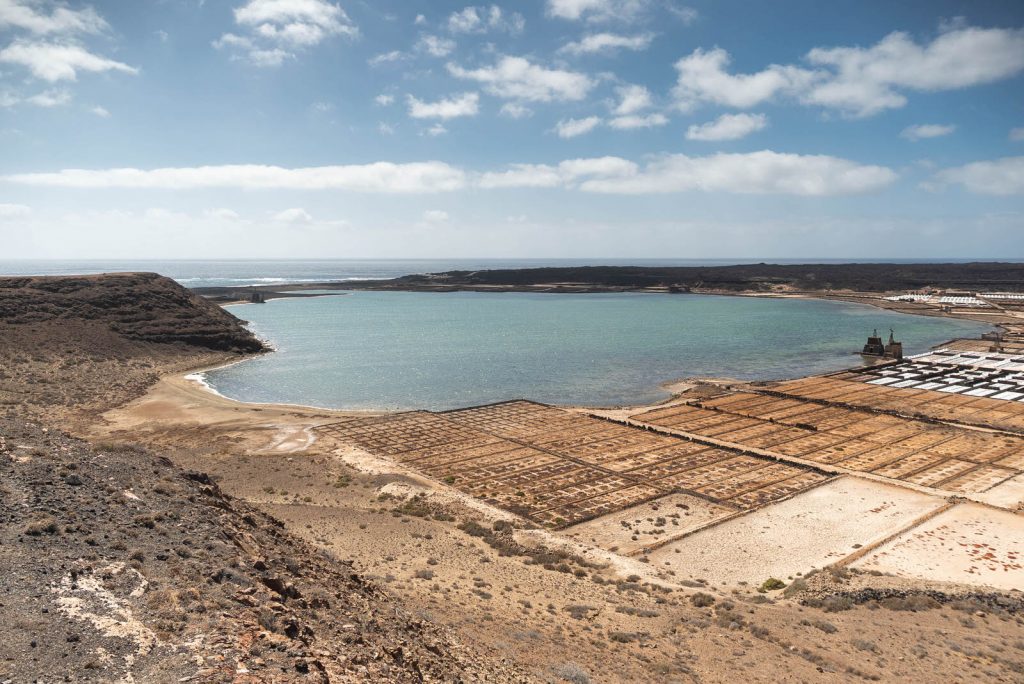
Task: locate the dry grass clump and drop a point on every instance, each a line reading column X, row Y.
column 571, row 672
column 702, row 600
column 830, row 604
column 771, row 584
column 823, row 625
column 914, row 603
column 39, row 526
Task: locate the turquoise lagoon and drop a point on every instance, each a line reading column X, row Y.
column 412, row 350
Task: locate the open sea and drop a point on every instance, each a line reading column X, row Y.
column 411, row 350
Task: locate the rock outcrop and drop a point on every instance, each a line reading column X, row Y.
column 140, row 306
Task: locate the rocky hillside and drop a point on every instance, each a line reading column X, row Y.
column 140, row 306
column 116, row 566
column 83, row 344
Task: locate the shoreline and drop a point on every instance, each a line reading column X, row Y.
column 666, row 385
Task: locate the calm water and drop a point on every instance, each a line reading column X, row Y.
column 403, row 350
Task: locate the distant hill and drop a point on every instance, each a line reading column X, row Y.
column 860, row 277
column 779, row 278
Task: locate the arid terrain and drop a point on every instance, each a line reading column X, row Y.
column 818, row 530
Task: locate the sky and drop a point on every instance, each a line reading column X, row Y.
column 538, row 128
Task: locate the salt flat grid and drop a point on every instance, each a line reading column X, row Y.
column 929, row 454
column 558, row 468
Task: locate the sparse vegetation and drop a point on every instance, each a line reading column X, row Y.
column 771, row 584
column 702, row 600
column 42, row 525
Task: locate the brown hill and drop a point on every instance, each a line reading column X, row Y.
column 139, row 306
column 88, row 343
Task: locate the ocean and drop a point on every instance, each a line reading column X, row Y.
column 416, row 350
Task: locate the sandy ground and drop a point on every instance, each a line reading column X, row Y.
column 811, row 530
column 632, row 529
column 179, row 405
column 969, row 544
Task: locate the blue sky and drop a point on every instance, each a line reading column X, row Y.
column 550, row 128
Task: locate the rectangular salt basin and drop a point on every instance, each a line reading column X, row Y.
column 1008, row 396
column 811, row 530
column 968, row 544
column 681, row 513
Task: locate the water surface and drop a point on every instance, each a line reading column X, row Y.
column 407, row 350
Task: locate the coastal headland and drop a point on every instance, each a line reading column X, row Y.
column 832, row 528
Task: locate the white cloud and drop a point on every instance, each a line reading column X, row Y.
column 570, row 128
column 58, row 62
column 387, row 58
column 435, row 46
column 922, row 131
column 483, row 19
column 727, row 127
column 565, row 174
column 868, row 80
column 759, row 173
column 50, row 98
column 14, row 211
column 997, row 177
column 764, row 172
column 269, row 58
column 514, row 110
column 634, row 121
column 384, row 99
column 687, row 15
column 436, row 130
column 858, row 81
column 598, row 10
column 420, row 20
column 222, row 214
column 466, row 104
column 385, row 129
column 465, row 21
column 519, row 79
column 607, row 42
column 435, row 216
column 632, row 99
column 383, row 177
column 101, row 112
column 278, row 27
column 703, row 78
column 294, row 216
column 1017, row 134
column 162, row 35
column 28, row 15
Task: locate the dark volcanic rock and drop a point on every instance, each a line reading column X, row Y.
column 139, row 306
